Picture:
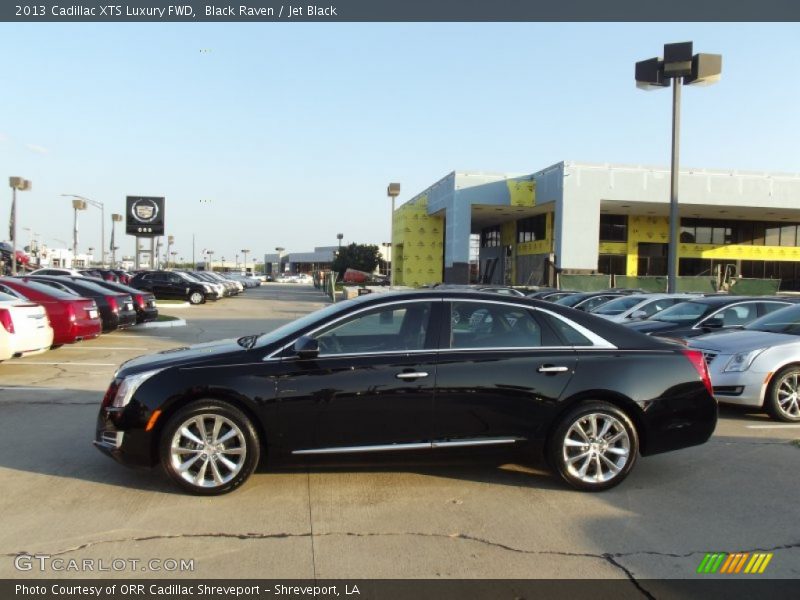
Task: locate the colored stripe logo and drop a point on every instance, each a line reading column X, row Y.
column 748, row 563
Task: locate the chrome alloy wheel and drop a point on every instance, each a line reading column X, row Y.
column 208, row 450
column 789, row 395
column 596, row 448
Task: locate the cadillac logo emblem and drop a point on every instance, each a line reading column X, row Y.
column 144, row 210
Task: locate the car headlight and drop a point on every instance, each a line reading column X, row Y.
column 129, row 385
column 742, row 361
column 207, row 287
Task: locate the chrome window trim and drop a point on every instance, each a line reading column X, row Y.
column 350, row 314
column 410, row 446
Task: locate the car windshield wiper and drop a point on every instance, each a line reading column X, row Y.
column 248, row 341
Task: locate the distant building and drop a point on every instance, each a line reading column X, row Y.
column 597, row 218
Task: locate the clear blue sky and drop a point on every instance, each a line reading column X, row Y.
column 293, row 131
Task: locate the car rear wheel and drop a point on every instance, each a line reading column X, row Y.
column 209, row 448
column 594, row 446
column 783, row 397
column 196, row 298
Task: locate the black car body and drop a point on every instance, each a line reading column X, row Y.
column 699, row 316
column 144, row 303
column 116, row 308
column 173, row 285
column 387, row 373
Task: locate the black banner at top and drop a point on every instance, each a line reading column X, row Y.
column 109, row 11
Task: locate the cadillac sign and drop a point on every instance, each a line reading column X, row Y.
column 145, row 216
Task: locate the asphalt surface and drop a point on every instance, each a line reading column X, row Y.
column 62, row 498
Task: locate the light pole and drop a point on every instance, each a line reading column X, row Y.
column 245, row 252
column 96, row 204
column 340, row 236
column 680, row 66
column 174, row 254
column 23, row 185
column 89, row 251
column 115, row 218
column 170, row 241
column 77, row 204
column 393, row 191
column 208, row 260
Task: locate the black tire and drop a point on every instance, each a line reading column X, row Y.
column 209, row 471
column 784, row 383
column 581, row 461
column 196, row 298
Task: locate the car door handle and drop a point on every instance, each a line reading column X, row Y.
column 415, row 375
column 552, row 369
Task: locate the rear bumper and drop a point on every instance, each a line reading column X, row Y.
column 684, row 420
column 145, row 315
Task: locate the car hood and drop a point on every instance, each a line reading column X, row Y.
column 182, row 356
column 741, row 340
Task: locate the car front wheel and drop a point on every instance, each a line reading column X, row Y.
column 196, row 298
column 209, row 448
column 783, row 397
column 594, row 446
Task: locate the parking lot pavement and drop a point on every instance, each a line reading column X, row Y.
column 63, row 498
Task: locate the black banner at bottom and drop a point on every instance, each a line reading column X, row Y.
column 731, row 588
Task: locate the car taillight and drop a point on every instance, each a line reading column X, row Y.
column 111, row 393
column 699, row 363
column 71, row 313
column 112, row 303
column 5, row 320
column 140, row 300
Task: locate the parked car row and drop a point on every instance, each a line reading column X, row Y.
column 39, row 312
column 195, row 287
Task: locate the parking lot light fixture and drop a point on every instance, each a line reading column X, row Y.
column 23, row 185
column 678, row 66
column 101, row 206
column 77, row 204
column 340, row 237
column 393, row 191
column 115, row 218
column 245, row 252
column 279, row 250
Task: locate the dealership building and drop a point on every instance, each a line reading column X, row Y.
column 582, row 218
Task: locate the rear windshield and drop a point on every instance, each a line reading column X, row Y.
column 50, row 291
column 618, row 306
column 685, row 312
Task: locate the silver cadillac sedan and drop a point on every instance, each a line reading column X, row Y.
column 757, row 365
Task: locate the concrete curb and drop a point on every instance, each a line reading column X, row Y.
column 181, row 305
column 159, row 324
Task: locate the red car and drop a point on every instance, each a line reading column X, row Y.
column 72, row 317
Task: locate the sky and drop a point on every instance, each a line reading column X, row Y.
column 284, row 134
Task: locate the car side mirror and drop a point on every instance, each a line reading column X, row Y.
column 715, row 323
column 306, row 347
column 638, row 315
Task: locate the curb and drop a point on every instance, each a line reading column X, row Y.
column 159, row 324
column 181, row 305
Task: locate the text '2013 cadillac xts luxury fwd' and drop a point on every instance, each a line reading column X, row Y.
column 432, row 373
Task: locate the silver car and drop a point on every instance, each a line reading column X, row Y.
column 759, row 364
column 639, row 306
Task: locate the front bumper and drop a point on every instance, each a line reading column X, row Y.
column 744, row 388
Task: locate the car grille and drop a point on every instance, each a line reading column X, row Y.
column 709, row 356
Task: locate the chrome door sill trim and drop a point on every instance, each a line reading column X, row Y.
column 413, row 446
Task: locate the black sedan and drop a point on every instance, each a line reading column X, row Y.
column 115, row 308
column 396, row 373
column 707, row 315
column 588, row 301
column 143, row 302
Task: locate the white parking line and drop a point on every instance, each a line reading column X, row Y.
column 102, row 348
column 787, row 426
column 22, row 388
column 84, row 364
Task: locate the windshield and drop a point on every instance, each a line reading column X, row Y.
column 571, row 300
column 297, row 325
column 187, row 276
column 685, row 312
column 786, row 320
column 618, row 306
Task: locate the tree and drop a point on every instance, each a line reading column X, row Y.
column 361, row 257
